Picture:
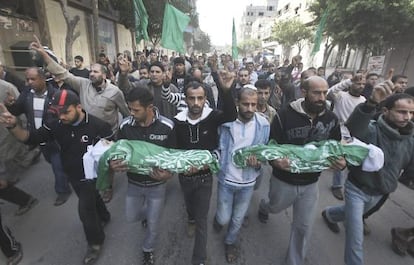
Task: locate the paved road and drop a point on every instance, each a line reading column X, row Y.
column 53, row 235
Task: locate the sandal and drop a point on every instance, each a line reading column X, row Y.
column 399, row 244
column 231, row 253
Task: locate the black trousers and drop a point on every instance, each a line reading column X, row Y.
column 14, row 195
column 92, row 210
column 197, row 193
column 8, row 244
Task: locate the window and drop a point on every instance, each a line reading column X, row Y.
column 270, row 8
column 287, row 7
column 279, row 13
column 296, row 10
column 261, row 14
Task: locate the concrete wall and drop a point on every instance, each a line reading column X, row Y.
column 402, row 60
column 57, row 29
column 124, row 39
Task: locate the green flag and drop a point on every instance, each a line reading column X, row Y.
column 173, row 27
column 318, row 36
column 234, row 49
column 141, row 21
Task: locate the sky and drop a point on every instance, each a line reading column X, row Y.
column 216, row 17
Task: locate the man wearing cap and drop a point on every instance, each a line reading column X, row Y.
column 34, row 103
column 236, row 185
column 74, row 131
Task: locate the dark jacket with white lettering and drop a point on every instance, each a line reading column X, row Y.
column 73, row 141
column 293, row 126
column 159, row 132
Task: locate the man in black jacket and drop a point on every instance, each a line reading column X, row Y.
column 34, row 103
column 146, row 193
column 196, row 128
column 302, row 121
column 74, row 132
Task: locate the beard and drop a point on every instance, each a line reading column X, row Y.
column 314, row 108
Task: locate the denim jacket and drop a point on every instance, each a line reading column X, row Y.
column 226, row 144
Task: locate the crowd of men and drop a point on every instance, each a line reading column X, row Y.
column 210, row 103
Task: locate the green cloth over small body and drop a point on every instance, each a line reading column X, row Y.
column 142, row 156
column 311, row 157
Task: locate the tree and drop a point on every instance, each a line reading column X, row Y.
column 367, row 24
column 203, row 43
column 71, row 35
column 289, row 33
column 249, row 46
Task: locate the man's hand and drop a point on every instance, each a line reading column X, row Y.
column 337, row 163
column 252, row 161
column 124, row 66
column 118, row 165
column 10, row 99
column 383, row 90
column 6, row 118
column 37, row 46
column 167, row 77
column 226, row 79
column 281, row 163
column 160, row 174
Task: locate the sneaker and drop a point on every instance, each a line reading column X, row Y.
column 61, row 198
column 92, row 254
column 216, row 226
column 337, row 193
column 191, row 228
column 107, row 195
column 367, row 230
column 334, row 227
column 263, row 217
column 148, row 258
column 17, row 257
column 25, row 208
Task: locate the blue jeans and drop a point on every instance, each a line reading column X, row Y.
column 146, row 203
column 52, row 156
column 304, row 200
column 356, row 204
column 232, row 205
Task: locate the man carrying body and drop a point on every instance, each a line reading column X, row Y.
column 393, row 133
column 236, row 185
column 145, row 194
column 196, row 128
column 302, row 121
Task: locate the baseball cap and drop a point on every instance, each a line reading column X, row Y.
column 62, row 100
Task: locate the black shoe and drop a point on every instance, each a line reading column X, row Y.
column 337, row 193
column 61, row 198
column 17, row 257
column 25, row 208
column 144, row 223
column 263, row 217
column 148, row 258
column 92, row 254
column 216, row 226
column 334, row 227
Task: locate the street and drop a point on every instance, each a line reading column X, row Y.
column 53, row 235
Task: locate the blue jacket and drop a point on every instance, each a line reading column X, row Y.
column 226, row 145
